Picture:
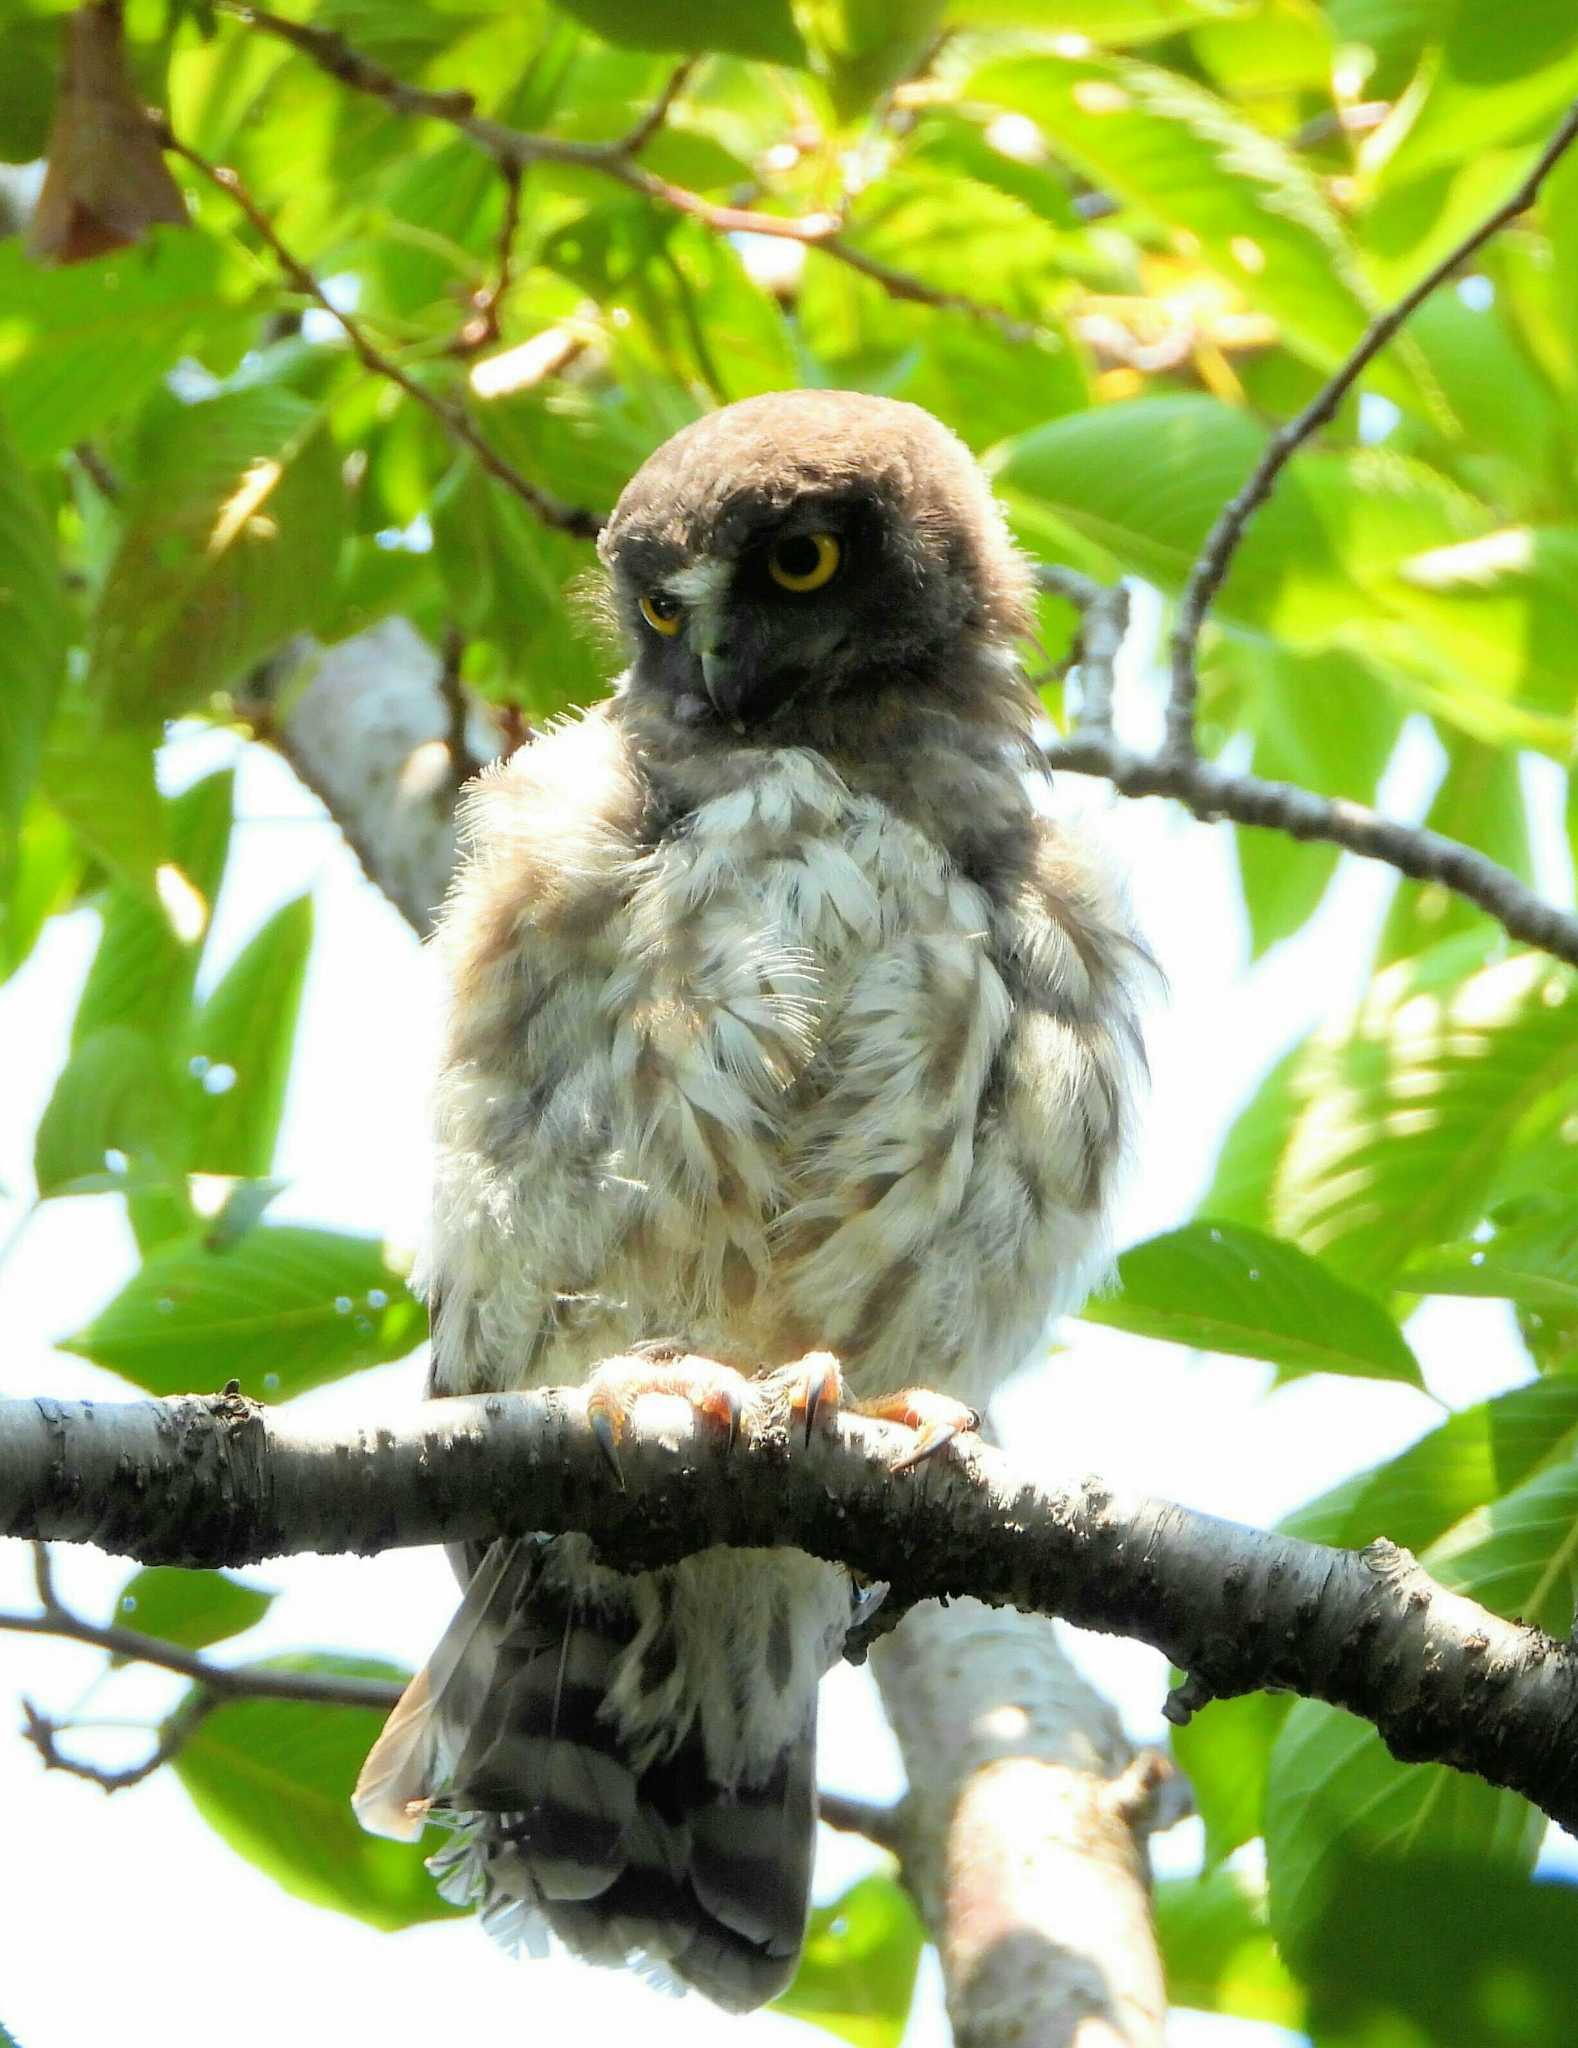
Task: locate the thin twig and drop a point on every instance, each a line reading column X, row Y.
column 1215, row 558
column 883, row 1825
column 573, row 519
column 174, row 1733
column 1211, row 791
column 481, row 328
column 615, row 160
column 1104, row 624
column 654, row 117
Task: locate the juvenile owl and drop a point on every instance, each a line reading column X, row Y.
column 784, row 1021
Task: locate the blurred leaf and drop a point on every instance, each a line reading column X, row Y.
column 83, row 344
column 113, row 1096
column 282, row 1309
column 1225, row 1752
column 34, row 630
column 1440, row 1949
column 1518, row 1555
column 765, row 28
column 1336, row 1794
column 1218, row 1951
column 857, row 1971
column 1534, row 1263
column 1444, row 1054
column 1221, row 1287
column 1500, row 75
column 244, row 1034
column 274, row 1778
column 189, row 1608
column 143, row 971
column 1324, row 721
column 102, row 784
column 863, row 47
column 1192, row 161
column 1104, row 21
column 44, row 878
column 222, row 552
column 1477, row 1455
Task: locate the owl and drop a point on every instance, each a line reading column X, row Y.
column 789, row 1034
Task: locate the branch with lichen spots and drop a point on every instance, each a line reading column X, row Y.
column 220, row 1480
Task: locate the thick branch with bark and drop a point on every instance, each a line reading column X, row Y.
column 222, row 1481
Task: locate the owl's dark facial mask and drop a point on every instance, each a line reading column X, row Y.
column 800, row 596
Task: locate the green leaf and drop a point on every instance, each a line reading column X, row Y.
column 1436, row 1949
column 34, row 629
column 857, row 1970
column 102, row 784
column 1519, row 1555
column 1534, row 1263
column 1225, row 1752
column 44, row 878
column 1335, row 1794
column 1475, row 1456
column 765, row 28
column 863, row 47
column 1500, row 75
column 1221, row 1287
column 1385, row 1133
column 244, row 1034
column 274, row 1778
column 281, row 1309
column 222, row 553
column 143, row 971
column 113, row 1096
column 1327, row 722
column 1186, row 158
column 188, row 1608
column 1218, row 1951
column 82, row 344
column 1104, row 21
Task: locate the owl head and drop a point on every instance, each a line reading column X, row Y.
column 805, row 551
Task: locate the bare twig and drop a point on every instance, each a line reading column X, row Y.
column 573, row 519
column 224, row 1681
column 883, row 1825
column 1211, row 791
column 514, row 147
column 1104, row 623
column 481, row 327
column 222, row 1480
column 174, row 1733
column 1221, row 543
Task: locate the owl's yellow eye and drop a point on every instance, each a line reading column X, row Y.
column 805, row 561
column 663, row 614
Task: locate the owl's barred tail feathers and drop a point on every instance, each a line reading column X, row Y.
column 626, row 1762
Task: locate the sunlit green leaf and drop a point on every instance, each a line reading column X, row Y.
column 244, row 1035
column 857, row 1970
column 1218, row 1951
column 223, row 552
column 45, row 874
column 34, row 628
column 1221, row 1287
column 281, row 1309
column 1335, row 1794
column 1225, row 1752
column 764, row 29
column 1384, row 1133
column 81, row 345
column 274, row 1778
column 189, row 1608
column 114, row 1096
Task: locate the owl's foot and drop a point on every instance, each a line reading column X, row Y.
column 816, row 1387
column 936, row 1418
column 717, row 1393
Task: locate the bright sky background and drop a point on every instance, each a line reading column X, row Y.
column 100, row 1886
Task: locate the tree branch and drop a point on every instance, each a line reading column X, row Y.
column 572, row 519
column 220, row 1480
column 1211, row 791
column 514, row 148
column 1221, row 543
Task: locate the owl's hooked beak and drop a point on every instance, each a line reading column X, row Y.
column 728, row 683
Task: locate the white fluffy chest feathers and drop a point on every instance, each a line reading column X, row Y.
column 799, row 950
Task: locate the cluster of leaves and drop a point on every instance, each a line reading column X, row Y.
column 1132, row 234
